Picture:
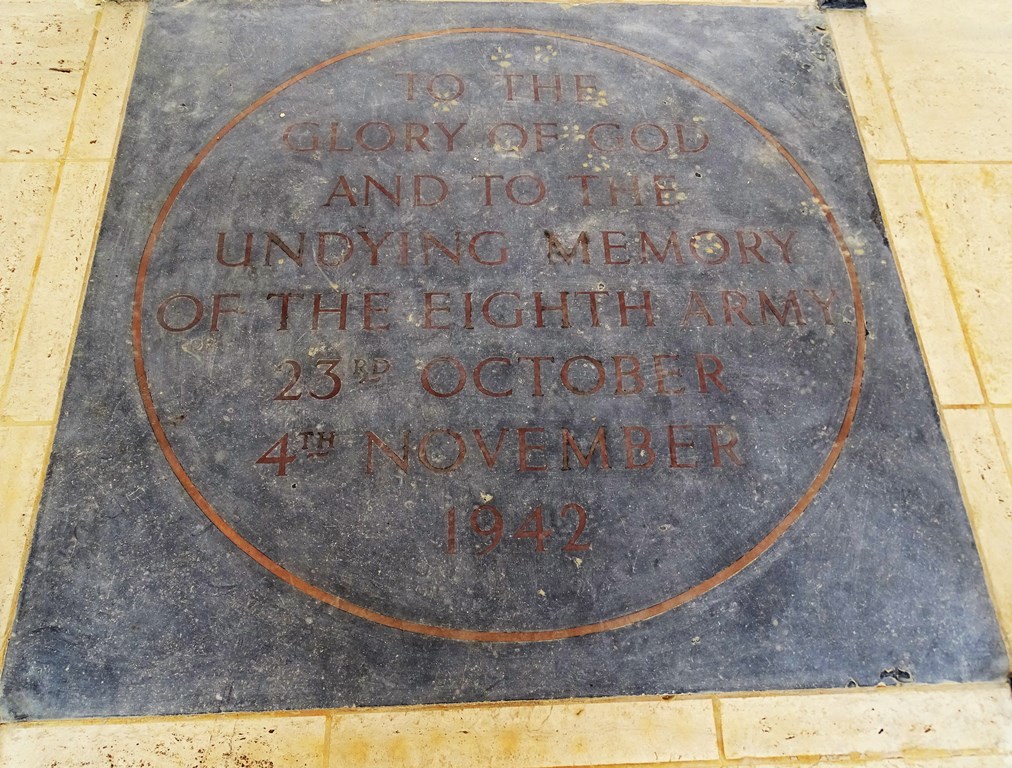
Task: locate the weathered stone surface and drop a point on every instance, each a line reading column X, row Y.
column 524, row 353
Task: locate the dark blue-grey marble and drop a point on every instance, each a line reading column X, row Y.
column 448, row 487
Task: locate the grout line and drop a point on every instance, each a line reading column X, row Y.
column 70, row 160
column 62, row 161
column 839, row 760
column 1004, row 446
column 327, row 730
column 9, row 423
column 7, row 160
column 393, row 710
column 718, row 726
column 143, row 10
column 9, row 372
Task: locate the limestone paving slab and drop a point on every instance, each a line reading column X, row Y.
column 490, row 352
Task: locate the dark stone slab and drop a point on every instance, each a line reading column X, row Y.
column 842, row 4
column 405, row 377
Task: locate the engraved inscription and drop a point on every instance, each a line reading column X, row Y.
column 506, row 351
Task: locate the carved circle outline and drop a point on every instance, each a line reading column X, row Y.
column 452, row 633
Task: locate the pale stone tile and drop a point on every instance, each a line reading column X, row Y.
column 966, row 761
column 26, row 191
column 869, row 97
column 987, row 487
column 927, row 289
column 96, row 128
column 35, row 382
column 1004, row 418
column 971, row 207
column 954, row 761
column 885, row 721
column 35, row 8
column 596, row 733
column 222, row 742
column 42, row 58
column 950, row 75
column 56, row 35
column 24, row 452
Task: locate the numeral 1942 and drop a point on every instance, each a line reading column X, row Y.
column 488, row 524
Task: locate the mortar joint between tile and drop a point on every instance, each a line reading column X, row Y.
column 718, row 727
column 7, row 421
column 48, row 221
column 328, row 728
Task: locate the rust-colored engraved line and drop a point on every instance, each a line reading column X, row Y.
column 452, row 633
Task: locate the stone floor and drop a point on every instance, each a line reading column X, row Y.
column 930, row 85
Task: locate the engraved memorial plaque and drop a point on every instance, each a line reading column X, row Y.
column 460, row 353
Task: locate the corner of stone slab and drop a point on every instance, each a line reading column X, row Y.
column 842, row 5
